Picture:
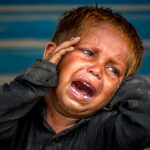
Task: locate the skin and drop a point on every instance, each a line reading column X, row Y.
column 100, row 58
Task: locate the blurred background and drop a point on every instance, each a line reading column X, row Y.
column 27, row 25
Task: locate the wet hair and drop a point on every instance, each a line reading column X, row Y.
column 78, row 21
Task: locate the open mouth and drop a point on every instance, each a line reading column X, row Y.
column 82, row 89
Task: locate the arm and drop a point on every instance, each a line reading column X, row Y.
column 34, row 83
column 26, row 89
column 132, row 123
column 125, row 122
column 20, row 96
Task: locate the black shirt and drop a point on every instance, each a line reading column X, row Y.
column 124, row 124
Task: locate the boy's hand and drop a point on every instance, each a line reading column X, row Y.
column 62, row 49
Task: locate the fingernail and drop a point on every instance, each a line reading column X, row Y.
column 77, row 38
column 71, row 48
column 72, row 38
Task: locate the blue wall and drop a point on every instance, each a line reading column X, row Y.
column 26, row 26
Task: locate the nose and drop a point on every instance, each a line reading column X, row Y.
column 95, row 70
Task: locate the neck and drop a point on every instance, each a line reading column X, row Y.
column 55, row 118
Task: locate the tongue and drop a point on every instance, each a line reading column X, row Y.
column 82, row 89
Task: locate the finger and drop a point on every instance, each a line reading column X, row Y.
column 64, row 50
column 68, row 43
column 57, row 56
column 71, row 42
column 61, row 49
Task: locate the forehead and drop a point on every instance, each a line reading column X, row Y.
column 109, row 31
column 106, row 37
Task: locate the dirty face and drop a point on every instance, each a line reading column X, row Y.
column 91, row 74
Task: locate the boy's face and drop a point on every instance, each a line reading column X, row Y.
column 91, row 74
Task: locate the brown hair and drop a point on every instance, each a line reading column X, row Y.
column 78, row 21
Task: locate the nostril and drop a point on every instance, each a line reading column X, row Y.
column 96, row 74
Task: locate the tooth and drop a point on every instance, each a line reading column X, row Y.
column 86, row 96
column 86, row 84
column 73, row 89
column 79, row 93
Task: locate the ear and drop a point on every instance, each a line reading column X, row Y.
column 50, row 46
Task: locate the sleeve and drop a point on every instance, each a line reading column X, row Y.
column 125, row 123
column 20, row 96
column 132, row 119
